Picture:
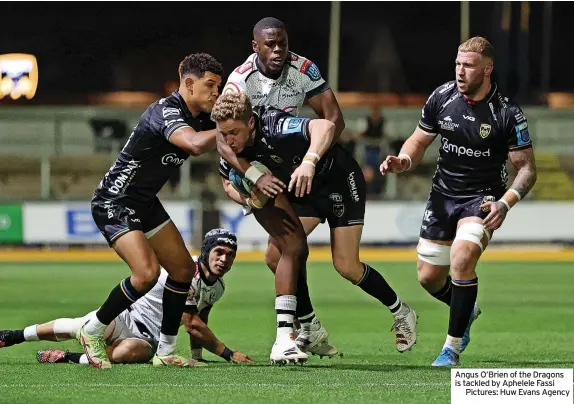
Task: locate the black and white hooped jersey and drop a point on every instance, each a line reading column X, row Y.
column 148, row 159
column 475, row 140
column 300, row 79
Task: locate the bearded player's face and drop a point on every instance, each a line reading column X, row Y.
column 272, row 47
column 471, row 70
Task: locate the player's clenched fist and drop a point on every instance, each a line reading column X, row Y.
column 395, row 165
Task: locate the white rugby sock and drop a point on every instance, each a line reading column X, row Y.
column 30, row 333
column 452, row 343
column 285, row 307
column 95, row 327
column 167, row 344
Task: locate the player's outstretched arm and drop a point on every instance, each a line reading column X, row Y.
column 200, row 332
column 410, row 155
column 232, row 193
column 194, row 143
column 523, row 160
column 326, row 106
column 321, row 133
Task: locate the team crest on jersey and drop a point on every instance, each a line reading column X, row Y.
column 310, row 70
column 338, row 209
column 244, row 68
column 485, row 130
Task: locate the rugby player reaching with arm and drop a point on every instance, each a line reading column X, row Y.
column 131, row 218
column 480, row 130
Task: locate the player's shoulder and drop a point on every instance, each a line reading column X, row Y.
column 506, row 107
column 445, row 90
column 166, row 107
column 246, row 68
column 303, row 66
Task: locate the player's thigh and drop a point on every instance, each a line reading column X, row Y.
column 433, row 262
column 273, row 253
column 440, row 217
column 471, row 236
column 131, row 350
column 168, row 244
column 278, row 218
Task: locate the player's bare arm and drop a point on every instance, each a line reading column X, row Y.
column 322, row 133
column 195, row 143
column 232, row 193
column 326, row 106
column 410, row 155
column 198, row 330
column 523, row 160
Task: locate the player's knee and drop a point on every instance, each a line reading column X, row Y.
column 429, row 276
column 297, row 248
column 146, row 277
column 465, row 255
column 349, row 267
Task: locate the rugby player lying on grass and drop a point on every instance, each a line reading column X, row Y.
column 133, row 336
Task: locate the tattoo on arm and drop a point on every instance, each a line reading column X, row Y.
column 523, row 160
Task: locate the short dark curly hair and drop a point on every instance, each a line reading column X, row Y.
column 199, row 63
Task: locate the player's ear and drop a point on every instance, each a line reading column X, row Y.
column 251, row 123
column 489, row 68
column 254, row 46
column 189, row 84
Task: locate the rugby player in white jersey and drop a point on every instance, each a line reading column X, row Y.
column 133, row 336
column 274, row 76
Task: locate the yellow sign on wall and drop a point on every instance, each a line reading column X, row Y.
column 18, row 75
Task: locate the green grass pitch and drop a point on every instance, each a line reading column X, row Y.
column 527, row 322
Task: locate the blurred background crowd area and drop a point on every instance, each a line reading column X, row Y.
column 100, row 66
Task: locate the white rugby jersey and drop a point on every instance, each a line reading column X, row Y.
column 148, row 310
column 299, row 79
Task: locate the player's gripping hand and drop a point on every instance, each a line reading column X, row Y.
column 302, row 179
column 269, row 185
column 240, row 357
column 394, row 165
column 496, row 216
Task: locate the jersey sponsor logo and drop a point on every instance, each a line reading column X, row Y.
column 338, row 209
column 309, row 69
column 448, row 124
column 522, row 134
column 353, row 187
column 462, row 150
column 485, row 130
column 336, row 197
column 171, row 158
column 469, row 118
column 276, row 159
column 167, row 111
column 292, row 125
column 124, row 177
column 245, row 67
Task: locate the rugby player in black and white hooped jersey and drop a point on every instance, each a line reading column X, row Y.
column 480, row 129
column 133, row 336
column 275, row 77
column 130, row 216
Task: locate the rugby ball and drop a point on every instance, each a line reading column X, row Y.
column 246, row 187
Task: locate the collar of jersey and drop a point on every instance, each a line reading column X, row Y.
column 487, row 98
column 184, row 108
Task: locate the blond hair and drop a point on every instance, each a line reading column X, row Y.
column 232, row 105
column 479, row 45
